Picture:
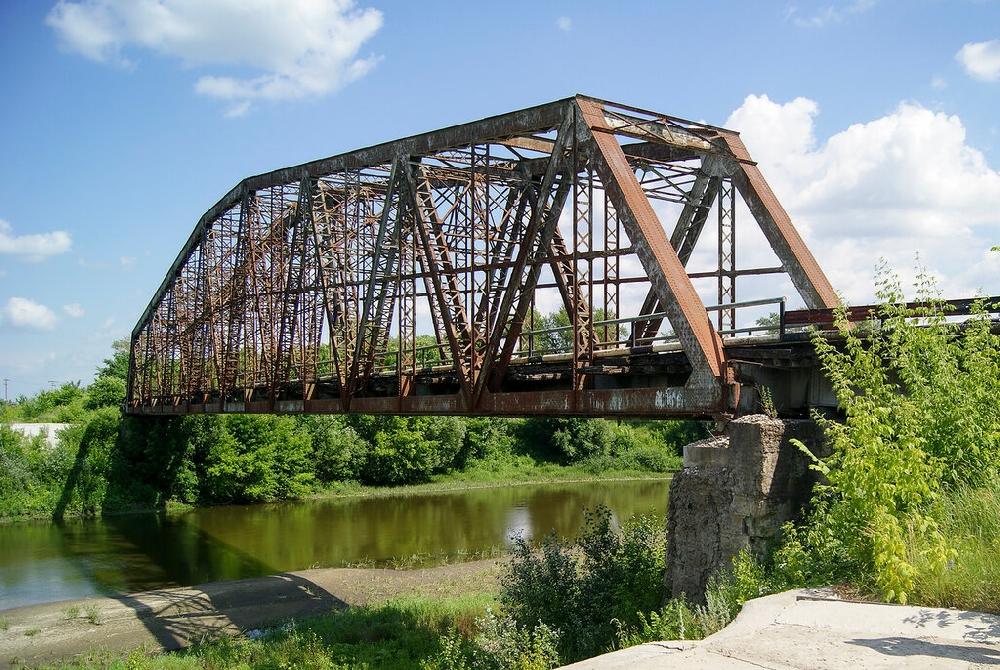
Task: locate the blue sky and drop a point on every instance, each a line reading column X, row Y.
column 122, row 121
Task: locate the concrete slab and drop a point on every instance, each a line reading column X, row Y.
column 805, row 629
column 49, row 430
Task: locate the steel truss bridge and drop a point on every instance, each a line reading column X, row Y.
column 409, row 278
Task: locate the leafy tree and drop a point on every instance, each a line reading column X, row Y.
column 560, row 335
column 771, row 322
column 407, row 450
column 252, row 458
column 94, row 442
column 487, row 439
column 117, row 364
column 156, row 460
column 62, row 405
column 567, row 440
column 106, row 391
column 339, row 453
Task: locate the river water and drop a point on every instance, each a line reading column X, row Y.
column 48, row 562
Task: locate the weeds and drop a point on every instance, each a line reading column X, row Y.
column 767, row 402
column 970, row 522
column 31, row 632
column 93, row 612
column 679, row 620
column 4, row 623
column 919, row 397
column 71, row 612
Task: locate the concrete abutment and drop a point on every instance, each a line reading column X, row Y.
column 735, row 492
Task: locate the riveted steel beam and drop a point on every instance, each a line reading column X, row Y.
column 412, row 276
column 686, row 311
column 774, row 221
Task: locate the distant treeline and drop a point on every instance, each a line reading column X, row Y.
column 108, row 463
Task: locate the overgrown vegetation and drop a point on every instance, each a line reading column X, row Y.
column 969, row 520
column 398, row 634
column 575, row 598
column 915, row 463
column 579, row 588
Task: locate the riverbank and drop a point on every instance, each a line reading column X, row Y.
column 465, row 480
column 795, row 629
column 470, row 480
column 170, row 619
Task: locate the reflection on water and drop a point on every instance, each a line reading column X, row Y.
column 45, row 562
column 518, row 525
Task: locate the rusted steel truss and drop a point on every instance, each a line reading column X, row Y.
column 410, row 277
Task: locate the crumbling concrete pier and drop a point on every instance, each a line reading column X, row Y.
column 735, row 492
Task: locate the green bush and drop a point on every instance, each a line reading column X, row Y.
column 94, row 443
column 15, row 472
column 969, row 517
column 156, row 460
column 339, row 452
column 566, row 440
column 504, row 645
column 62, row 405
column 488, row 439
column 582, row 590
column 408, row 450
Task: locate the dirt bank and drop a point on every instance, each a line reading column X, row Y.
column 170, row 619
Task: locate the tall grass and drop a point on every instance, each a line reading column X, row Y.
column 969, row 519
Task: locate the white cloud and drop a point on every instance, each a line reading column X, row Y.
column 564, row 23
column 300, row 48
column 823, row 16
column 127, row 262
column 901, row 185
column 981, row 59
column 74, row 310
column 25, row 313
column 238, row 110
column 33, row 247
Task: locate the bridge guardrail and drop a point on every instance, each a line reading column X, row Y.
column 825, row 318
column 625, row 344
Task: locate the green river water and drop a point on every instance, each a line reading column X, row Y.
column 47, row 562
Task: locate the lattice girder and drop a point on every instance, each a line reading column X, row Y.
column 306, row 289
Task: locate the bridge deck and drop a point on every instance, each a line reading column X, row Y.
column 623, row 382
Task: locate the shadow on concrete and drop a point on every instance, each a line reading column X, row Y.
column 904, row 646
column 979, row 627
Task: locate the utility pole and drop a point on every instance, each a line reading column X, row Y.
column 52, row 384
column 5, row 401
